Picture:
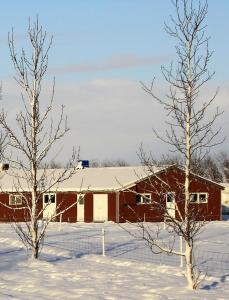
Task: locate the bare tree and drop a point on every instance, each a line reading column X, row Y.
column 108, row 163
column 207, row 167
column 94, row 163
column 52, row 165
column 114, row 163
column 191, row 130
column 35, row 136
column 223, row 162
column 3, row 137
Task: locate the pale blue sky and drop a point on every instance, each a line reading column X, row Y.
column 101, row 50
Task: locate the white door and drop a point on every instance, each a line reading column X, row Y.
column 80, row 208
column 100, row 207
column 170, row 204
column 49, row 206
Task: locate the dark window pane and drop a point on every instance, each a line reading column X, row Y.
column 18, row 200
column 12, row 200
column 203, row 198
column 81, row 200
column 193, row 198
column 46, row 198
column 53, row 198
column 146, row 198
column 138, row 198
column 170, row 197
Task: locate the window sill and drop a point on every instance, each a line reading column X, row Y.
column 198, row 202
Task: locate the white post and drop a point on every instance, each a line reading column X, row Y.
column 103, row 241
column 181, row 250
column 60, row 222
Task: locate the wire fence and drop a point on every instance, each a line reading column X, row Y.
column 209, row 256
column 80, row 242
column 213, row 263
column 212, row 257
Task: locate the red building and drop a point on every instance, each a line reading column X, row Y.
column 118, row 194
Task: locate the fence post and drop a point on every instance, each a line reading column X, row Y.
column 103, row 241
column 60, row 222
column 181, row 250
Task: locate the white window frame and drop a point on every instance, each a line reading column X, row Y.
column 142, row 195
column 15, row 200
column 198, row 198
column 49, row 194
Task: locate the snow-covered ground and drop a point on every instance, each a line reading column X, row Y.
column 71, row 266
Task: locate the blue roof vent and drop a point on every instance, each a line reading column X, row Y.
column 82, row 164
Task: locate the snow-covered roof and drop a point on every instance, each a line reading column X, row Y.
column 94, row 179
column 88, row 179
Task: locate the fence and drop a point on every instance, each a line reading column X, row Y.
column 119, row 244
column 79, row 242
column 212, row 257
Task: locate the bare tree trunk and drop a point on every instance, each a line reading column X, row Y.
column 189, row 265
column 188, row 245
column 34, row 116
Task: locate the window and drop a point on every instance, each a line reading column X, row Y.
column 143, row 198
column 193, row 198
column 198, row 198
column 49, row 198
column 15, row 200
column 203, row 198
column 81, row 199
column 170, row 197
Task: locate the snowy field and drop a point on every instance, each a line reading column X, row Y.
column 72, row 266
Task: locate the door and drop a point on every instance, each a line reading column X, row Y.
column 100, row 207
column 170, row 204
column 80, row 208
column 49, row 206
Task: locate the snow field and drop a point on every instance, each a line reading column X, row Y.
column 62, row 273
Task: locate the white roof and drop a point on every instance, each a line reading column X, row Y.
column 88, row 179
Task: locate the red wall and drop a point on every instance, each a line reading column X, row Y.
column 63, row 201
column 112, row 207
column 88, row 208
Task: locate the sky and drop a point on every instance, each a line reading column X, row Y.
column 101, row 51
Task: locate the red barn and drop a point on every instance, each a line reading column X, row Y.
column 117, row 194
